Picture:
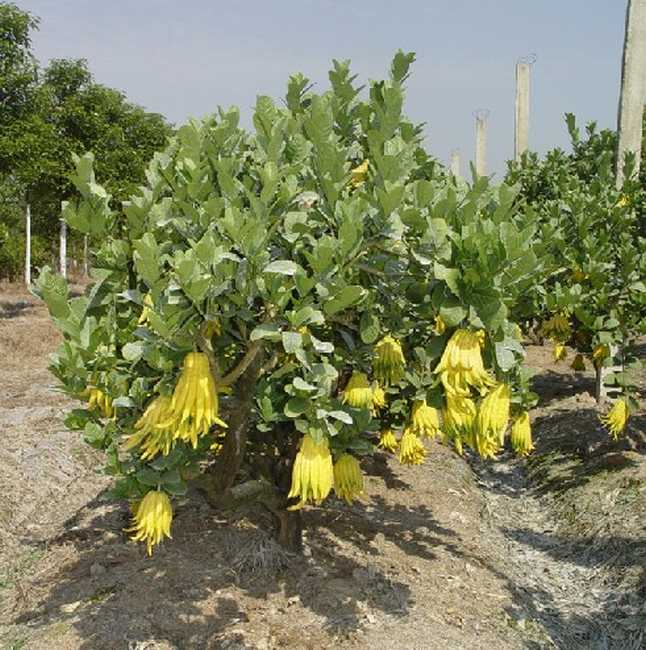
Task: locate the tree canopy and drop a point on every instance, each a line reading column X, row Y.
column 47, row 115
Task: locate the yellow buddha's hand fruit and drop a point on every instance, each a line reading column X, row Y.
column 194, row 406
column 411, row 449
column 560, row 353
column 151, row 436
column 425, row 420
column 521, row 435
column 461, row 366
column 358, row 392
column 388, row 441
column 389, row 362
column 600, row 353
column 617, row 418
column 312, row 474
column 493, row 414
column 99, row 401
column 152, row 518
column 359, row 174
column 147, row 309
column 348, row 480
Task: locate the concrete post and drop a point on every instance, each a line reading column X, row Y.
column 481, row 116
column 455, row 162
column 521, row 124
column 85, row 260
column 633, row 87
column 28, row 245
column 63, row 249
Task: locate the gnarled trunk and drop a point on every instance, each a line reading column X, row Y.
column 223, row 474
column 290, row 530
column 218, row 484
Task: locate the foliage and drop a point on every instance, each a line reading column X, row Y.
column 47, row 115
column 284, row 256
column 12, row 253
column 85, row 115
column 12, row 248
column 17, row 65
column 593, row 234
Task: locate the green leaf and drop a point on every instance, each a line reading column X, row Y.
column 304, row 284
column 369, row 327
column 94, row 435
column 292, row 342
column 124, row 402
column 342, row 416
column 78, row 418
column 176, row 489
column 504, row 357
column 349, row 234
column 322, row 347
column 296, row 406
column 133, row 351
column 146, row 258
column 450, row 276
column 148, row 477
column 295, row 224
column 52, row 288
column 77, row 218
column 400, row 65
column 300, row 384
column 283, row 267
column 307, row 316
column 269, row 331
column 171, row 476
column 348, row 296
column 452, row 312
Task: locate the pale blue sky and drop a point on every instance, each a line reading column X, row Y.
column 184, row 58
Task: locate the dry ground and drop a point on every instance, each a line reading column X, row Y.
column 453, row 554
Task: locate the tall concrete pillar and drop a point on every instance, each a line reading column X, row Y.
column 481, row 116
column 28, row 245
column 633, row 86
column 63, row 249
column 521, row 123
column 455, row 162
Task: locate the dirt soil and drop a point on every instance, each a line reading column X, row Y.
column 454, row 554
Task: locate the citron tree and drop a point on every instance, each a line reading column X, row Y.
column 273, row 305
column 593, row 298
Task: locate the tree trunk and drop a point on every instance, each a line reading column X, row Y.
column 218, row 484
column 290, row 530
column 225, row 470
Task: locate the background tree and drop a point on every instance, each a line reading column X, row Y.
column 593, row 297
column 45, row 117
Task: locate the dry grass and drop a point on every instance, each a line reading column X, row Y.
column 434, row 557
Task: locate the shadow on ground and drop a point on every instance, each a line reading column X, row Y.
column 574, row 448
column 13, row 309
column 554, row 386
column 110, row 593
